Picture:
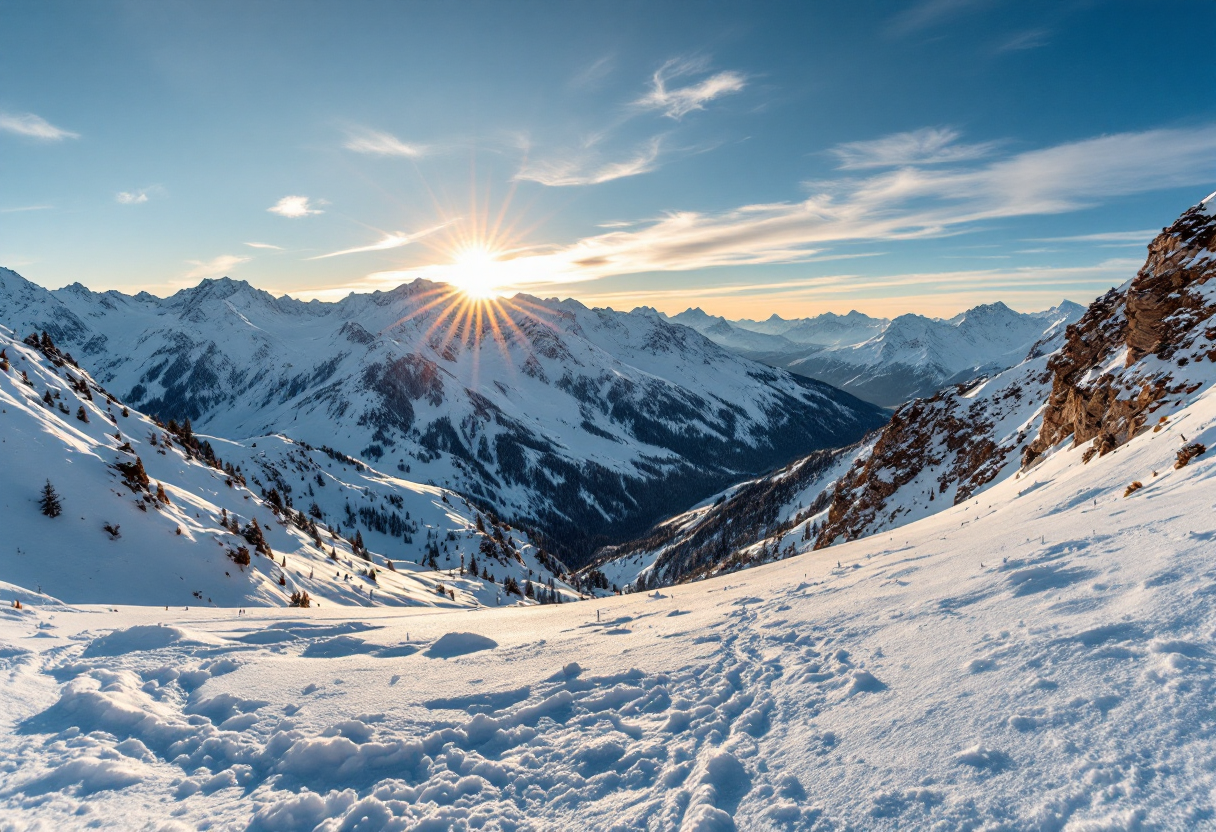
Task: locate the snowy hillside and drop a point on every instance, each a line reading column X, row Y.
column 588, row 424
column 1039, row 659
column 1114, row 373
column 891, row 362
column 151, row 514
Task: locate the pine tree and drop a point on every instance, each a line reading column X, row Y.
column 49, row 504
column 46, row 398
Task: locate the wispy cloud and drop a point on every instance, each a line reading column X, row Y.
column 908, row 202
column 1021, row 41
column 217, row 267
column 22, row 208
column 927, row 14
column 1116, row 237
column 389, row 241
column 265, row 245
column 293, row 207
column 595, row 72
column 376, row 143
column 927, row 146
column 590, row 169
column 678, row 101
column 35, row 127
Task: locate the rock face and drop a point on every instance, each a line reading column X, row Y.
column 1128, row 352
column 1121, row 361
column 935, row 453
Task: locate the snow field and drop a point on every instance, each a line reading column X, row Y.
column 1041, row 657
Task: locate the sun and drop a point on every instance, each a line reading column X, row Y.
column 477, row 272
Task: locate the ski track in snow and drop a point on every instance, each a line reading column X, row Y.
column 1047, row 665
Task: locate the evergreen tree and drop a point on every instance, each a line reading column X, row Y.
column 49, row 503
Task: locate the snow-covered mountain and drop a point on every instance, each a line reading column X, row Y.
column 586, row 424
column 1125, row 370
column 827, row 329
column 156, row 515
column 889, row 362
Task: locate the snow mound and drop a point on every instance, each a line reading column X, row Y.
column 144, row 637
column 451, row 645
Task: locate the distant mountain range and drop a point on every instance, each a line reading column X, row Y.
column 889, row 362
column 587, row 425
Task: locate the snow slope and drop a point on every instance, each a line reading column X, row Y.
column 1039, row 659
column 587, row 423
column 179, row 552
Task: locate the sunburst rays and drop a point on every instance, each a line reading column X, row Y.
column 459, row 320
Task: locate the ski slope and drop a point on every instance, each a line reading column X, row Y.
column 1040, row 657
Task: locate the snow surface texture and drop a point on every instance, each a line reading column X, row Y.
column 178, row 553
column 1041, row 659
column 888, row 362
column 584, row 422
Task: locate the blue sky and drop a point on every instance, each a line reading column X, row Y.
column 748, row 158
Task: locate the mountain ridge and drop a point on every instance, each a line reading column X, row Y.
column 585, row 424
column 891, row 361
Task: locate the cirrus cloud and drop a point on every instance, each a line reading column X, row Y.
column 389, row 241
column 912, row 201
column 34, row 127
column 677, row 102
column 587, row 169
column 927, row 146
column 376, row 143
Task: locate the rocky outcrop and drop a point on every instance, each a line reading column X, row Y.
column 1126, row 357
column 1127, row 353
column 939, row 450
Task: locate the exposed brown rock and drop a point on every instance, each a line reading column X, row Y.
column 1159, row 314
column 1108, row 378
column 1189, row 452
